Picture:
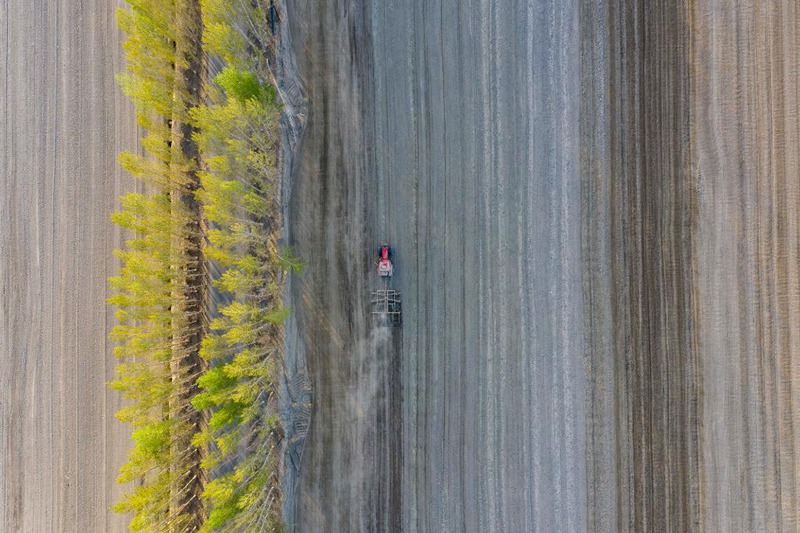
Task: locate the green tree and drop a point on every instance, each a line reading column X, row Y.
column 160, row 292
column 201, row 397
column 238, row 133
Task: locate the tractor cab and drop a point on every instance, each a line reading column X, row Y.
column 385, row 266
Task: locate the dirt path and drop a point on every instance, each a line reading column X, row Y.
column 63, row 122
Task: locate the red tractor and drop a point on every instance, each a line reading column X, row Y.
column 385, row 266
column 386, row 301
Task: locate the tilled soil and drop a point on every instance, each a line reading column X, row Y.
column 594, row 210
column 63, row 122
column 424, row 131
column 745, row 135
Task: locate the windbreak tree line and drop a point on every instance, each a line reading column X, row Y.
column 201, row 385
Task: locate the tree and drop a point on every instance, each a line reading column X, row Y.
column 161, row 290
column 201, row 396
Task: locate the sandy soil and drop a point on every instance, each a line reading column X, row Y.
column 594, row 208
column 63, row 122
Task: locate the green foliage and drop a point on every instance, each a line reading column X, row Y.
column 144, row 333
column 142, row 297
column 147, row 501
column 239, row 85
column 150, row 51
column 237, row 134
column 236, row 31
column 144, row 291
